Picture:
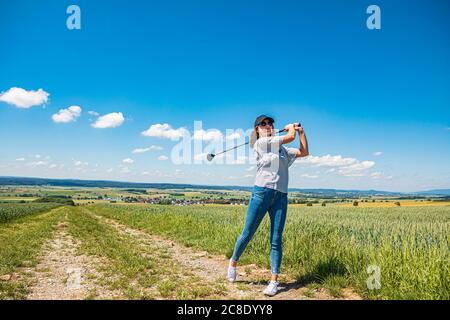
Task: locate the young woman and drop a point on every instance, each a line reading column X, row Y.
column 270, row 191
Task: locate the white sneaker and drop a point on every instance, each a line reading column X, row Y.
column 231, row 275
column 271, row 289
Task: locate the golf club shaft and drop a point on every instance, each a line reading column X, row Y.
column 240, row 145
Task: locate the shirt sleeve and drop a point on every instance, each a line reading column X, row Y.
column 268, row 144
column 292, row 155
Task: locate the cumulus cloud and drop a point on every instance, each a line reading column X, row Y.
column 24, row 99
column 162, row 158
column 349, row 167
column 210, row 135
column 38, row 163
column 233, row 136
column 377, row 153
column 328, row 161
column 128, row 161
column 110, row 120
column 67, row 115
column 164, row 131
column 93, row 113
column 20, row 159
column 379, row 175
column 78, row 163
column 142, row 150
column 356, row 169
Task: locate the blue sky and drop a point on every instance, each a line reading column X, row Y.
column 375, row 104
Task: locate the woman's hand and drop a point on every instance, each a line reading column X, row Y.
column 299, row 128
column 289, row 126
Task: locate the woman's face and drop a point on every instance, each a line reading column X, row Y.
column 265, row 128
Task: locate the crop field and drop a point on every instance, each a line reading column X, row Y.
column 326, row 246
column 10, row 211
column 141, row 251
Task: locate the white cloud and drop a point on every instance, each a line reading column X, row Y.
column 363, row 165
column 52, row 166
column 377, row 154
column 349, row 167
column 380, row 175
column 210, row 135
column 37, row 156
column 142, row 150
column 164, row 131
column 93, row 113
column 233, row 136
column 110, row 120
column 20, row 159
column 162, row 158
column 125, row 170
column 38, row 163
column 376, row 175
column 250, row 169
column 128, row 161
column 78, row 163
column 24, row 99
column 249, row 176
column 110, row 170
column 327, row 161
column 356, row 169
column 309, row 176
column 67, row 115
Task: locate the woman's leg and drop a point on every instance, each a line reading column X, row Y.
column 277, row 213
column 257, row 208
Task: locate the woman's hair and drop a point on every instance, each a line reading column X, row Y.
column 254, row 136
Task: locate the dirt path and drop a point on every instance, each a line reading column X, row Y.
column 251, row 279
column 62, row 274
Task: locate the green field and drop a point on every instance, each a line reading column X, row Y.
column 10, row 211
column 324, row 247
column 331, row 247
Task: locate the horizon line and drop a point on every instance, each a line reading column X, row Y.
column 208, row 185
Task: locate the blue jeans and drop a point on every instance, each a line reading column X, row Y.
column 261, row 201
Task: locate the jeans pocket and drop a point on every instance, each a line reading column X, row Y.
column 258, row 192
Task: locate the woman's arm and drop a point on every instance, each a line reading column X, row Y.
column 290, row 128
column 303, row 150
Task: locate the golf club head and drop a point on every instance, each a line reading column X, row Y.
column 210, row 156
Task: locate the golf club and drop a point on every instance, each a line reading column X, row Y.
column 211, row 156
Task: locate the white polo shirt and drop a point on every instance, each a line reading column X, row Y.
column 273, row 161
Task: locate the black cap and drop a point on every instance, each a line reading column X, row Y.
column 261, row 118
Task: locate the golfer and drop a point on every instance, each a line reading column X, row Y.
column 270, row 191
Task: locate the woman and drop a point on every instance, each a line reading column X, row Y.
column 270, row 191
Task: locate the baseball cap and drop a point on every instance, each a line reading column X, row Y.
column 260, row 118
